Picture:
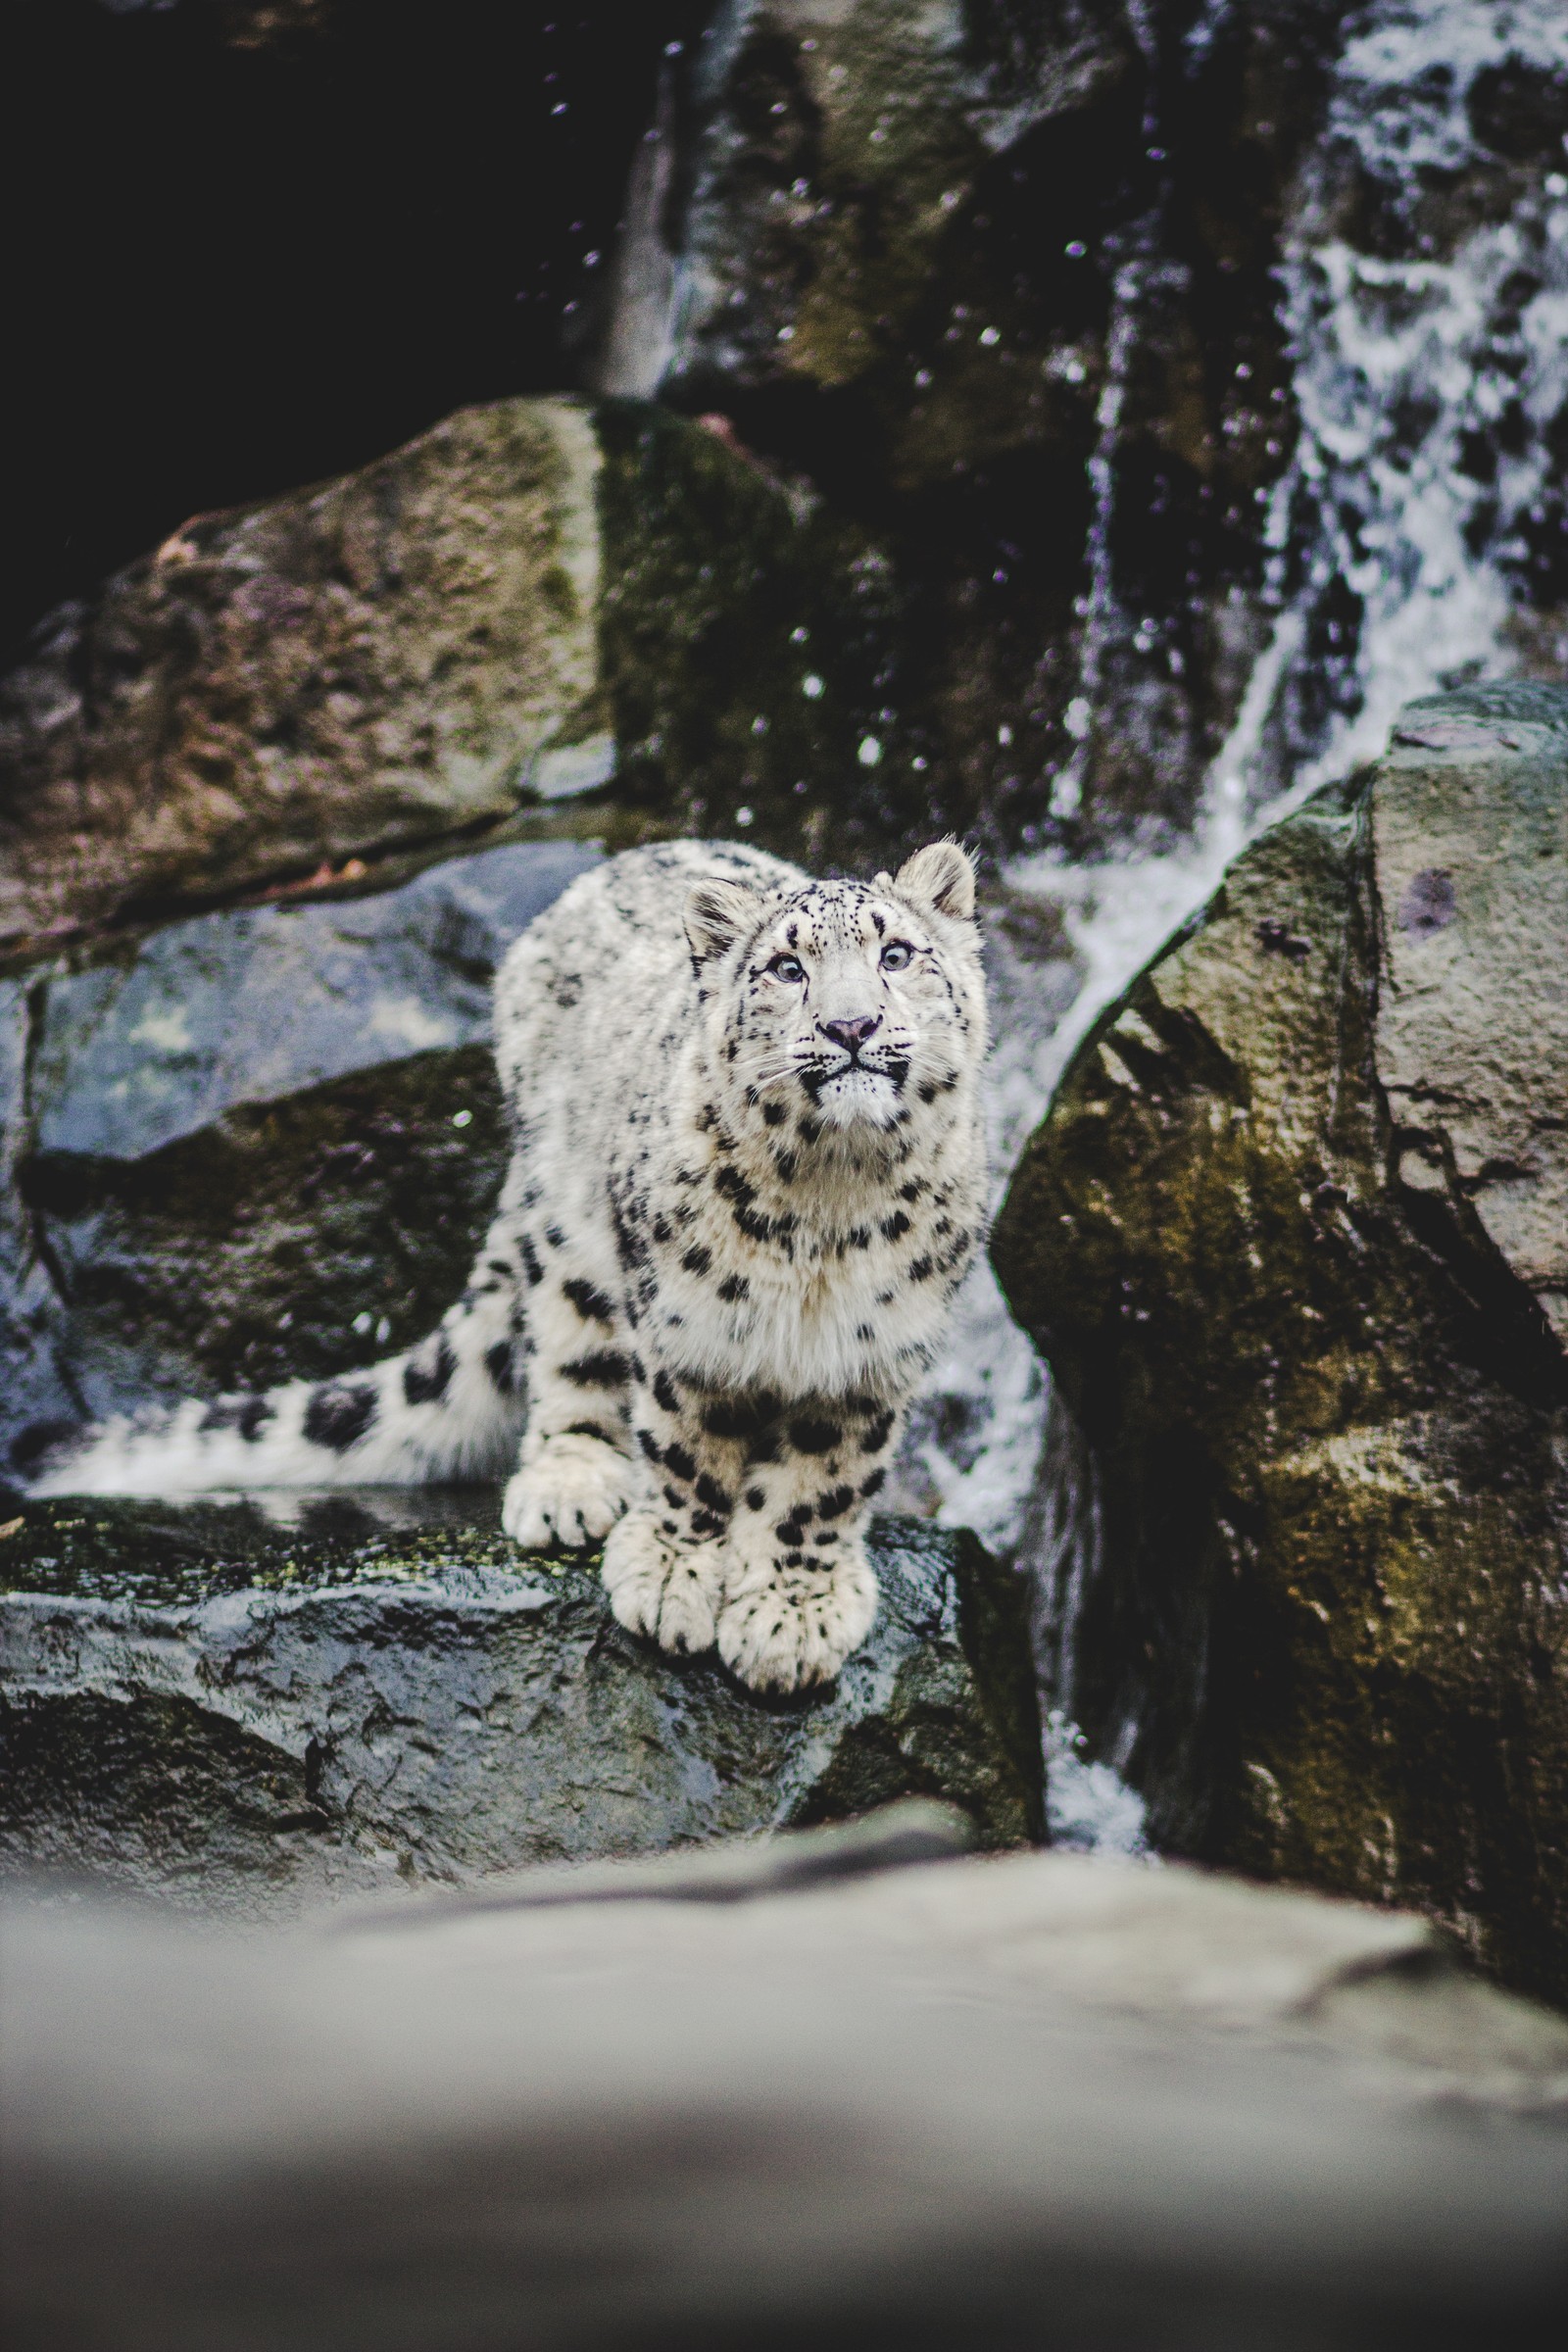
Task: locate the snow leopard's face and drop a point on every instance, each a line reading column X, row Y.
column 848, row 1005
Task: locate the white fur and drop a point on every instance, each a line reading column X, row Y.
column 724, row 1252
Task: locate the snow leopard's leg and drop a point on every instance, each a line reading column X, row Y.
column 576, row 1470
column 799, row 1594
column 754, row 1539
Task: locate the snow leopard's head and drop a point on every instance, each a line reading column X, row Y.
column 842, row 1007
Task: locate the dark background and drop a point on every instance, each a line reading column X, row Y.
column 227, row 276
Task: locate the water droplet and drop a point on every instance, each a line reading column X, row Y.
column 1076, row 250
column 870, row 751
column 743, row 816
column 461, row 1118
column 991, row 334
column 362, row 1322
column 811, row 686
column 1077, row 717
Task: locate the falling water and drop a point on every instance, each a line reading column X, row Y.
column 1430, row 378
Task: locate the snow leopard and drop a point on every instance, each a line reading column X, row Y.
column 747, row 1177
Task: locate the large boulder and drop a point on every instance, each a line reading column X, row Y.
column 247, row 1705
column 1293, row 1238
column 363, row 663
column 257, row 1142
column 781, row 2095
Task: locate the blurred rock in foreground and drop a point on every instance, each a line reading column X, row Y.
column 247, row 1704
column 1295, row 1239
column 1022, row 2101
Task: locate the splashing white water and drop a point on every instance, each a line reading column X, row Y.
column 1402, row 366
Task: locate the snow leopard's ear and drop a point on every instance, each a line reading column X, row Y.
column 941, row 877
column 717, row 913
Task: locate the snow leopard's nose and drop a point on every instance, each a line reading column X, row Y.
column 852, row 1035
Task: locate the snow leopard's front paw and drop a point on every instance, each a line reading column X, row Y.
column 572, row 1493
column 783, row 1627
column 670, row 1591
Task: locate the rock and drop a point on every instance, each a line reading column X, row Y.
column 245, row 1705
column 371, row 662
column 733, row 2101
column 259, row 1143
column 999, row 283
column 1294, row 1241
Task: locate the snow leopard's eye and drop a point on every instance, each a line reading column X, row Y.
column 896, row 955
column 787, row 967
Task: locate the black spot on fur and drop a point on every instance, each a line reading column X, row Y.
column 755, row 1499
column 604, row 1369
column 555, row 1237
column 894, row 1225
column 649, row 1446
column 790, row 1531
column 666, row 1392
column 591, row 1303
column 248, row 1414
column 874, row 1483
column 736, row 1416
column 809, row 1129
column 500, row 1367
column 876, row 1436
column 773, row 1113
column 912, row 1190
column 697, row 1260
column 709, row 1491
column 424, row 1381
column 733, row 1185
column 675, row 1498
column 677, row 1458
column 835, row 1503
column 703, row 1523
column 825, row 1536
column 786, row 1165
column 733, row 1287
column 859, row 1237
column 813, row 1437
column 662, row 1231
column 588, row 1429
column 927, row 1092
column 339, row 1414
column 919, row 1269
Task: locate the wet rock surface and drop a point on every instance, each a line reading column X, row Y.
column 253, row 1706
column 259, row 1143
column 1292, row 1237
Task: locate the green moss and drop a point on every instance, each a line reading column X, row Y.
column 1328, row 1441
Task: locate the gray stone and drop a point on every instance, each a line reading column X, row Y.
column 261, row 1142
column 1020, row 2100
column 1294, row 1240
column 245, row 1705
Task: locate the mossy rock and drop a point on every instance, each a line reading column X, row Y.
column 1292, row 1237
column 250, row 1705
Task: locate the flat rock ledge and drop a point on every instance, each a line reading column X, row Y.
column 251, row 1706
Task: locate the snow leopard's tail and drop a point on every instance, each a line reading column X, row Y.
column 449, row 1408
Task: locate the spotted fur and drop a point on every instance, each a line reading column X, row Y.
column 747, row 1181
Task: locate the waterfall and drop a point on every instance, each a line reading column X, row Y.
column 1413, row 539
